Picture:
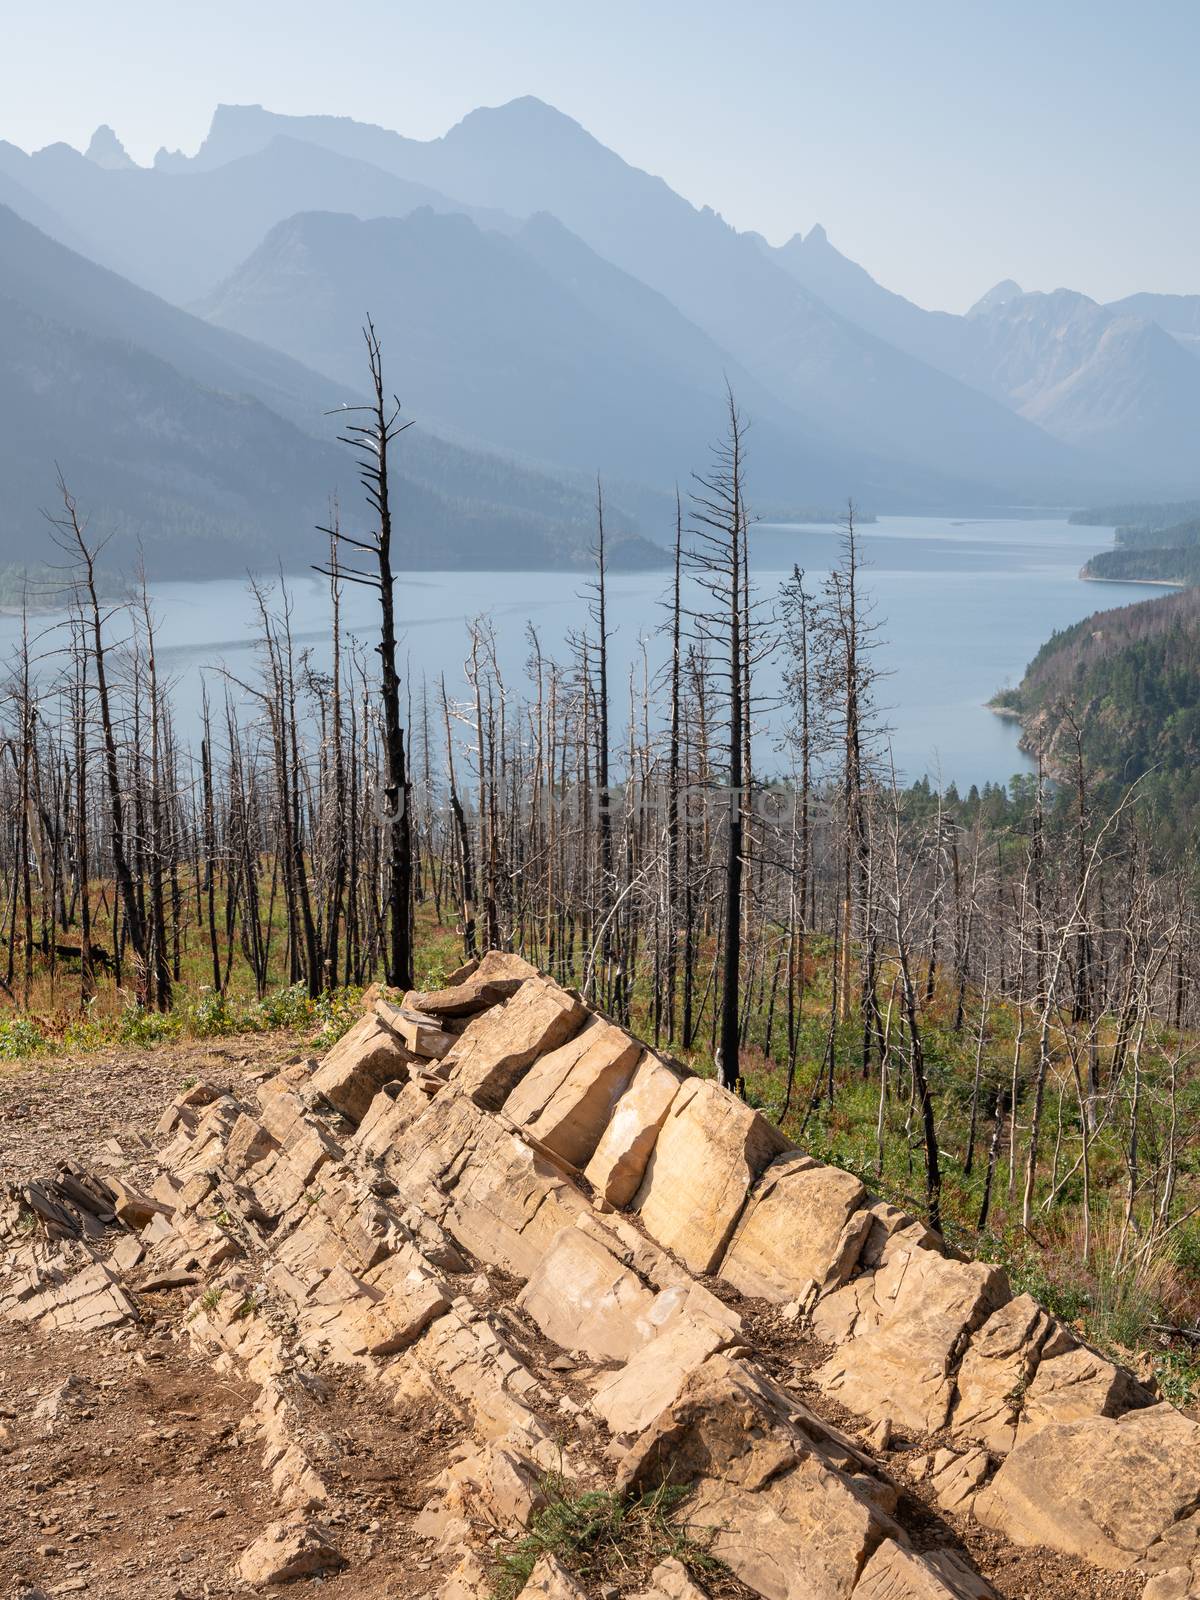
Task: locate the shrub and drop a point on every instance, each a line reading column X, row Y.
column 20, row 1036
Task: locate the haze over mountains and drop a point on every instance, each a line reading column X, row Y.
column 175, row 335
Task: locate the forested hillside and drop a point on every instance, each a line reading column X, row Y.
column 1123, row 688
column 1160, row 544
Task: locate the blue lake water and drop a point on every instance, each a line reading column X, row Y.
column 961, row 607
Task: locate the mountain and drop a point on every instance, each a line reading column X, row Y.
column 1107, row 380
column 180, row 234
column 1108, row 383
column 530, row 342
column 851, row 291
column 1179, row 314
column 842, row 381
column 214, row 451
column 107, row 151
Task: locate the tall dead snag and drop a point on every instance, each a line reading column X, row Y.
column 74, row 542
column 804, row 739
column 599, row 616
column 848, row 678
column 716, row 560
column 462, row 837
column 902, row 871
column 372, row 439
column 673, row 795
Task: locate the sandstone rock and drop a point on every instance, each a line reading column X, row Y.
column 358, row 1066
column 490, row 1058
column 496, row 1486
column 710, row 1149
column 957, row 1477
column 1078, row 1384
column 921, row 1309
column 804, row 1535
column 566, row 1098
column 805, row 1223
column 632, row 1397
column 470, row 1580
column 729, row 1420
column 618, row 1163
column 420, row 1034
column 374, row 1316
column 247, row 1144
column 475, row 987
column 995, row 1373
column 1175, row 1583
column 62, row 1402
column 496, row 1196
column 503, row 967
column 199, row 1094
column 462, row 1362
column 87, row 1301
column 670, row 1581
column 583, row 1298
column 551, row 1580
column 289, row 1550
column 894, row 1573
column 134, row 1208
column 880, row 1436
column 1102, row 1488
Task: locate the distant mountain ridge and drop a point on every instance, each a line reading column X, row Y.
column 214, row 452
column 1114, row 380
column 918, row 434
column 550, row 311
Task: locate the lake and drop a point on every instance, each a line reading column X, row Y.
column 962, row 605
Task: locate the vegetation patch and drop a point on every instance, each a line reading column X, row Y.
column 602, row 1537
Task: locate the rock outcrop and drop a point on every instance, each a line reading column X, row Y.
column 566, row 1243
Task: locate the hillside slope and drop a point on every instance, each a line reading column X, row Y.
column 215, row 451
column 530, row 342
column 1130, row 677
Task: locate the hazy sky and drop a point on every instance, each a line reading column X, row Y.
column 944, row 143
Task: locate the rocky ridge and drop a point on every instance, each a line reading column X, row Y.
column 498, row 1231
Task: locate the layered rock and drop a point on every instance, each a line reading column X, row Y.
column 436, row 1224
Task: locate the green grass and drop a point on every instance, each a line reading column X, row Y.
column 601, row 1537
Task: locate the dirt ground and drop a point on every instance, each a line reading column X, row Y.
column 129, row 1469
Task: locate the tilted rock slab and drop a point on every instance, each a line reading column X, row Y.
column 902, row 1363
column 433, row 1228
column 710, row 1149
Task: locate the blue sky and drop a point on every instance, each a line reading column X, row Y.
column 943, row 143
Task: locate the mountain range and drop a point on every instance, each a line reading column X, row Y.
column 549, row 312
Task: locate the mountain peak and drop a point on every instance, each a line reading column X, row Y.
column 107, row 151
column 526, row 116
column 816, row 235
column 1007, row 289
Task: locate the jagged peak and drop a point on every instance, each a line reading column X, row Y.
column 1000, row 295
column 107, row 151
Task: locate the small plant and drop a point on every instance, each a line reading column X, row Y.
column 139, row 1026
column 600, row 1535
column 210, row 1299
column 20, row 1036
